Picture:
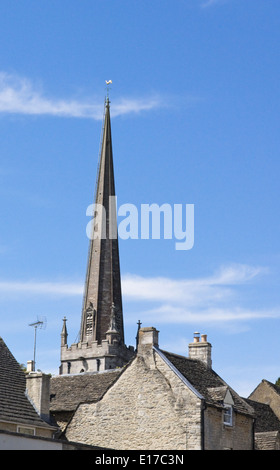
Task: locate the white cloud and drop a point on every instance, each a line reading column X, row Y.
column 172, row 314
column 210, row 3
column 134, row 105
column 214, row 299
column 235, row 274
column 19, row 96
column 214, row 288
column 41, row 288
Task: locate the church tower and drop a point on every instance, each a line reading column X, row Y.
column 101, row 344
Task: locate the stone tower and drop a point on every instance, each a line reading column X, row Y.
column 101, row 344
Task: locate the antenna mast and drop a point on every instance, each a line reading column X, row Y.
column 36, row 324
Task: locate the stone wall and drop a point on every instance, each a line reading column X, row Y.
column 147, row 408
column 268, row 440
column 219, row 436
column 150, row 407
column 265, row 393
column 187, row 405
column 93, row 357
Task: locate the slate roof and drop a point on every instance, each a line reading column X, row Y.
column 14, row 404
column 67, row 391
column 206, row 382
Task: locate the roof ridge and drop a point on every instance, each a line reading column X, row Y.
column 173, row 354
column 83, row 374
column 274, row 386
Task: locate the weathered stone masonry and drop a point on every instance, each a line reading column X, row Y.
column 153, row 406
column 147, row 408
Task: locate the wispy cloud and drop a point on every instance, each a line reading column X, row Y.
column 210, row 3
column 210, row 315
column 40, row 288
column 213, row 299
column 19, row 95
column 215, row 288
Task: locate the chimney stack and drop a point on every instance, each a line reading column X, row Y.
column 30, row 366
column 147, row 339
column 200, row 349
column 38, row 391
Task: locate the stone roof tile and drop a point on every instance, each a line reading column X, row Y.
column 67, row 391
column 206, row 381
column 14, row 404
column 266, row 420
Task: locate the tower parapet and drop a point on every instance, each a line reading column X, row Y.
column 94, row 357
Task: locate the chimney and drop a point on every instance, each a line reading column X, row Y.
column 147, row 338
column 30, row 366
column 200, row 349
column 38, row 391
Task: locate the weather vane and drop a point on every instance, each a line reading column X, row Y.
column 108, row 83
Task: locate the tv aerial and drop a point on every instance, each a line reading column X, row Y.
column 41, row 324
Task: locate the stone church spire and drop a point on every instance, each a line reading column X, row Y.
column 103, row 280
column 101, row 343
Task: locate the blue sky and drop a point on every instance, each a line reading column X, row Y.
column 195, row 120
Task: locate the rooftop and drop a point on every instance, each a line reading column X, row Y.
column 14, row 403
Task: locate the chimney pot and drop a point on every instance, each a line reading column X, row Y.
column 196, row 337
column 201, row 350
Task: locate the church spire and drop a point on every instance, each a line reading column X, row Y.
column 103, row 281
column 101, row 343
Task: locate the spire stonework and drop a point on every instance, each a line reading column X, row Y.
column 64, row 333
column 103, row 281
column 102, row 304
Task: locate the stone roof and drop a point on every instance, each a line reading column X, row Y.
column 68, row 391
column 266, row 420
column 206, row 382
column 14, row 404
